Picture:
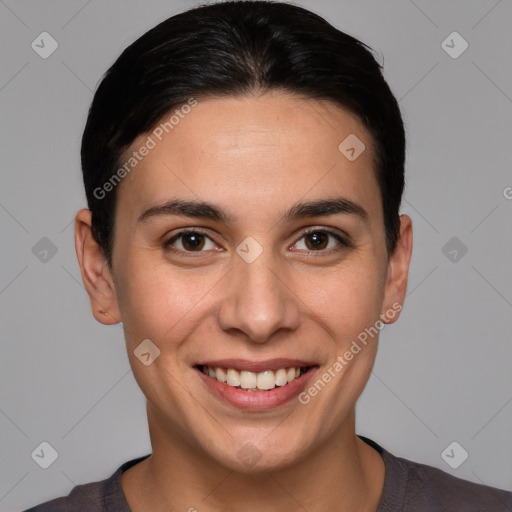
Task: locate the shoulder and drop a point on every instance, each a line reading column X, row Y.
column 414, row 487
column 82, row 497
column 434, row 489
column 102, row 496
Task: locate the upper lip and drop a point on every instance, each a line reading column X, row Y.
column 257, row 366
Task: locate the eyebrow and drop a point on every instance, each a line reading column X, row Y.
column 204, row 210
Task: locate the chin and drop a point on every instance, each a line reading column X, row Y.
column 269, row 452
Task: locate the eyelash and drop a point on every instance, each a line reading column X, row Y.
column 344, row 242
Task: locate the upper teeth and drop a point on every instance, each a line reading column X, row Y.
column 265, row 380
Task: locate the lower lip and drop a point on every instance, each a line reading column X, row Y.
column 257, row 400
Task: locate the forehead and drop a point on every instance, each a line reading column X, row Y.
column 266, row 150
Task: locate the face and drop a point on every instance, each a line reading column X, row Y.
column 279, row 263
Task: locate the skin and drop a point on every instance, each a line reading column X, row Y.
column 254, row 156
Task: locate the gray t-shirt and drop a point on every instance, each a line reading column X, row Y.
column 408, row 487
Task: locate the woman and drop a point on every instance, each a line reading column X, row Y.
column 244, row 168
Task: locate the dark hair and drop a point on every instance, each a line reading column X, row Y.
column 237, row 48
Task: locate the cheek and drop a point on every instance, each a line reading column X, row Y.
column 156, row 303
column 348, row 297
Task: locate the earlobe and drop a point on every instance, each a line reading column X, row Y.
column 398, row 271
column 95, row 271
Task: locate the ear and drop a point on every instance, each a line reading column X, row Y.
column 96, row 273
column 398, row 271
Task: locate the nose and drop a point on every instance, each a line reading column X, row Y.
column 259, row 301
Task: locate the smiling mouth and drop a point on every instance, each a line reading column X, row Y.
column 254, row 381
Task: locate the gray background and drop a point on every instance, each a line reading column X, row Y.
column 442, row 373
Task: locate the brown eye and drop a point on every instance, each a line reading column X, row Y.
column 317, row 240
column 193, row 241
column 189, row 241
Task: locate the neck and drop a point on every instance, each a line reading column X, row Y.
column 342, row 474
